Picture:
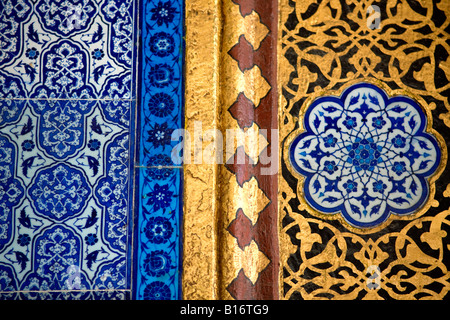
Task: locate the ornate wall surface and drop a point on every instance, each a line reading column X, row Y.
column 67, row 71
column 364, row 208
column 230, row 204
column 90, row 92
column 361, row 102
column 224, row 149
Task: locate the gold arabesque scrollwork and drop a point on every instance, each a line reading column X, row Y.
column 325, row 46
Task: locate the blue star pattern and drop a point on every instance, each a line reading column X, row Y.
column 59, row 192
column 163, row 13
column 13, row 14
column 365, row 155
column 160, row 135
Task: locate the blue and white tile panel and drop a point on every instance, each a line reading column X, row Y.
column 67, row 108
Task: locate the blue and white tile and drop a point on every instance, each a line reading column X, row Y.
column 365, row 155
column 162, row 83
column 158, row 234
column 66, row 148
column 77, row 199
column 94, row 42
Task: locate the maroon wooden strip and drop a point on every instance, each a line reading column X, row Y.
column 265, row 231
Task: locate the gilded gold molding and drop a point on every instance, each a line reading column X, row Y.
column 200, row 268
column 229, row 79
column 248, row 197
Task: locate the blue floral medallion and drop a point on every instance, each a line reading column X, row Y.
column 365, row 155
column 59, row 192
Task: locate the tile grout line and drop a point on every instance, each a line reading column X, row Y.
column 134, row 179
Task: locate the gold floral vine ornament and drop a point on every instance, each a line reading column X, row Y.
column 362, row 209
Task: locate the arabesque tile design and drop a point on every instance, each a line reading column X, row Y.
column 68, row 87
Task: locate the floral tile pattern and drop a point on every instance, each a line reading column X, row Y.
column 159, row 203
column 161, row 80
column 158, row 260
column 67, row 149
column 366, row 155
column 67, row 103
